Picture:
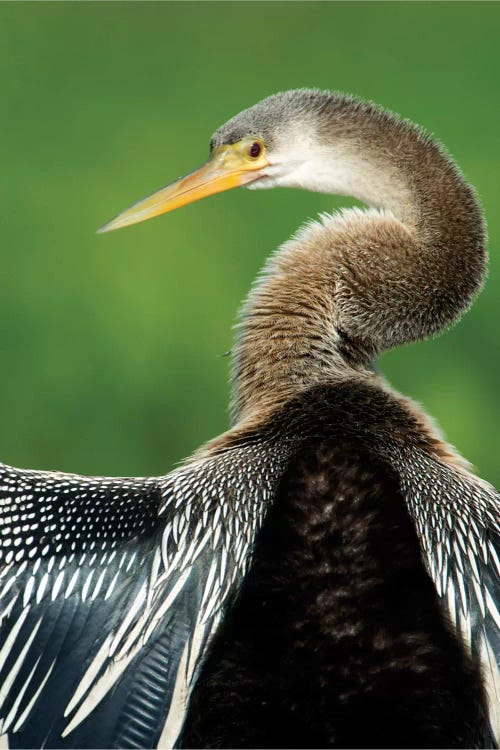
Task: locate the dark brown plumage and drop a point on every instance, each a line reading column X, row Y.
column 337, row 638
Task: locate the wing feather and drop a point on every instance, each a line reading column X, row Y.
column 458, row 519
column 110, row 590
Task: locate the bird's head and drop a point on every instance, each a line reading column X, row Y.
column 277, row 142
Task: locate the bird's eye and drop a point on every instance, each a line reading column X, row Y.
column 255, row 149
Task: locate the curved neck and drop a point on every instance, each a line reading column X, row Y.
column 358, row 282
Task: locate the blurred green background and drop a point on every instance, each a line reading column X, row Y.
column 111, row 346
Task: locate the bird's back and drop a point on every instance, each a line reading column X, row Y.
column 338, row 637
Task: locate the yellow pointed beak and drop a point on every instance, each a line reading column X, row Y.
column 229, row 166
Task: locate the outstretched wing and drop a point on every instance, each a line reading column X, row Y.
column 109, row 591
column 458, row 519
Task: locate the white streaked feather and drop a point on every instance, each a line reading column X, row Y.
column 131, row 561
column 8, row 585
column 90, row 674
column 32, row 702
column 41, row 588
column 131, row 614
column 8, row 609
column 473, row 564
column 132, row 637
column 223, row 563
column 177, row 709
column 111, row 586
column 16, row 667
column 463, row 593
column 438, row 581
column 209, row 583
column 494, row 556
column 479, row 596
column 212, row 606
column 5, row 571
column 183, row 553
column 172, row 596
column 57, row 585
column 183, row 684
column 466, row 629
column 98, row 585
column 458, row 554
column 492, row 684
column 153, row 578
column 86, row 585
column 492, row 609
column 13, row 711
column 72, row 583
column 100, row 689
column 451, row 602
column 198, row 639
column 11, row 638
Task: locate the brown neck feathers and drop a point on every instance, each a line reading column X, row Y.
column 358, row 282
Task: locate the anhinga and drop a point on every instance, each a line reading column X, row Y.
column 326, row 573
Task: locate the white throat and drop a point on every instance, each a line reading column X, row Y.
column 340, row 170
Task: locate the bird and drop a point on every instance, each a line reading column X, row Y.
column 326, row 572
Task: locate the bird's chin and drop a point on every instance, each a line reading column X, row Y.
column 262, row 183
